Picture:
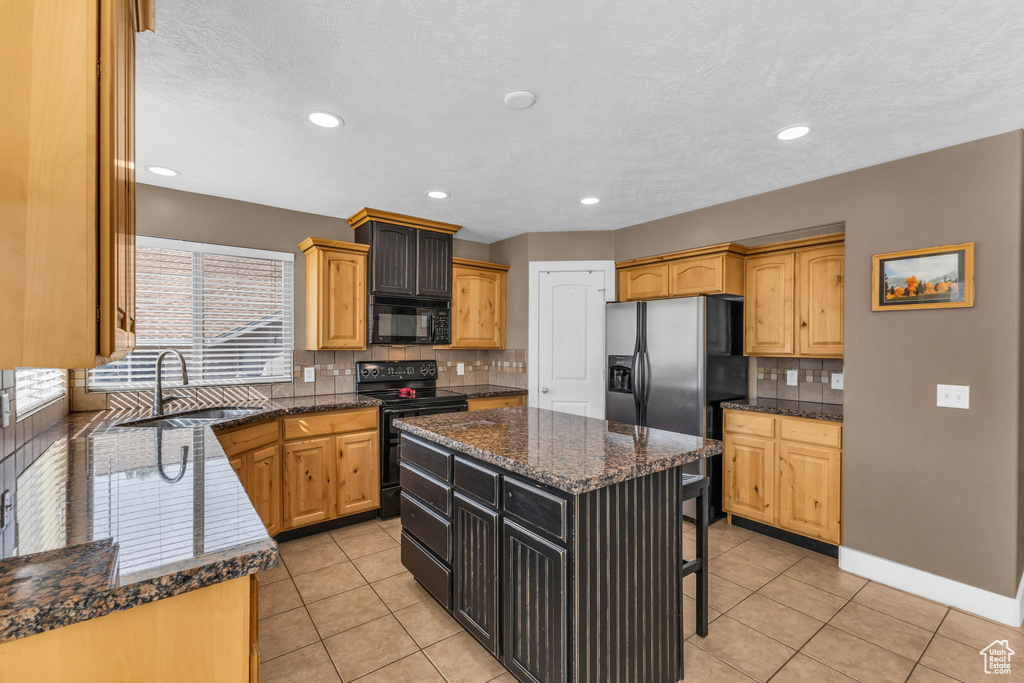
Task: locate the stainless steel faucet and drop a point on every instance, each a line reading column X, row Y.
column 158, row 395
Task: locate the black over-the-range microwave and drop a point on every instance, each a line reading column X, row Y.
column 405, row 320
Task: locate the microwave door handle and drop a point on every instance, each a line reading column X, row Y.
column 430, row 326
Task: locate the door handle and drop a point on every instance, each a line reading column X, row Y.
column 543, row 390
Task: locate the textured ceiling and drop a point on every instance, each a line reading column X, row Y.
column 657, row 107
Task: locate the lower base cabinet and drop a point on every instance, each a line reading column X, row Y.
column 535, row 605
column 510, row 581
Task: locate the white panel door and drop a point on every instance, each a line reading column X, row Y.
column 570, row 341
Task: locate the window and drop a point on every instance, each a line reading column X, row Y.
column 227, row 309
column 36, row 387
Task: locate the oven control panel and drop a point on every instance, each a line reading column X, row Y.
column 395, row 371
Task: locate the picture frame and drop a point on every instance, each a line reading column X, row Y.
column 934, row 277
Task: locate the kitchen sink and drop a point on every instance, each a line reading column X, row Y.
column 193, row 419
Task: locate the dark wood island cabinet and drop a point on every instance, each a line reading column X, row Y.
column 554, row 539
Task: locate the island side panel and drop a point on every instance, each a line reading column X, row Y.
column 627, row 591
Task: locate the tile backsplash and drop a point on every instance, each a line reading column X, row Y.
column 335, row 374
column 814, row 381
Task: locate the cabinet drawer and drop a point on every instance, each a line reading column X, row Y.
column 246, row 438
column 478, row 481
column 426, row 569
column 817, row 432
column 496, row 402
column 337, row 422
column 429, row 490
column 429, row 528
column 426, row 456
column 754, row 424
column 536, row 508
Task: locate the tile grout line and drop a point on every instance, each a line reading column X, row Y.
column 930, row 641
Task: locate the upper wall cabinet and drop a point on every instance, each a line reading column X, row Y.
column 335, row 294
column 68, row 240
column 478, row 304
column 710, row 270
column 409, row 256
column 793, row 301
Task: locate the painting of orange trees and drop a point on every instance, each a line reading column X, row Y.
column 936, row 277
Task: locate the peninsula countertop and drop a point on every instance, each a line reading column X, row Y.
column 105, row 524
column 775, row 406
column 571, row 453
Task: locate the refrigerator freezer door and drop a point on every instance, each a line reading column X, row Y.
column 620, row 340
column 675, row 355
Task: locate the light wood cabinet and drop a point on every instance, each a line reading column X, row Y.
column 768, row 306
column 335, row 294
column 309, row 481
column 68, row 212
column 478, row 304
column 820, row 293
column 793, row 300
column 305, row 469
column 708, row 270
column 496, row 402
column 789, row 477
column 748, row 472
column 358, row 473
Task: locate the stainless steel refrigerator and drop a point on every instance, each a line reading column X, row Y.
column 672, row 362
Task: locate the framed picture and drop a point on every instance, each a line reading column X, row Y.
column 937, row 277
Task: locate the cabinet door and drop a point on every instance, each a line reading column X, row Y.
column 820, row 293
column 240, row 464
column 478, row 308
column 342, row 301
column 643, row 282
column 808, row 491
column 264, row 486
column 433, row 264
column 476, row 570
column 117, row 180
column 358, row 472
column 394, row 259
column 768, row 310
column 535, row 614
column 748, row 477
column 309, row 482
column 699, row 275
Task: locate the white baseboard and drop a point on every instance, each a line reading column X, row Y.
column 984, row 603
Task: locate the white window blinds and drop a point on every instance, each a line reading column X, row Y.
column 35, row 387
column 227, row 309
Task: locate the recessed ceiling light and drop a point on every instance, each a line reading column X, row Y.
column 589, row 200
column 520, row 99
column 162, row 170
column 325, row 119
column 438, row 194
column 793, row 132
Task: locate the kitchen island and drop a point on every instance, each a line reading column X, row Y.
column 554, row 539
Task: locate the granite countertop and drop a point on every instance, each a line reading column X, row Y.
column 816, row 411
column 487, row 390
column 572, row 453
column 104, row 524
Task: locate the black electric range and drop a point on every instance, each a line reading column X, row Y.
column 383, row 380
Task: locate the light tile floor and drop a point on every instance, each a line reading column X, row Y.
column 340, row 607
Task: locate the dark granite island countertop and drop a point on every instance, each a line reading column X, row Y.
column 108, row 517
column 776, row 406
column 568, row 452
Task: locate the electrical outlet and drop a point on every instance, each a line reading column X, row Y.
column 309, row 374
column 837, row 381
column 791, row 377
column 460, row 369
column 953, row 396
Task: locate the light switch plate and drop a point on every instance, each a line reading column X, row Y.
column 309, row 374
column 953, row 396
column 791, row 377
column 460, row 369
column 837, row 381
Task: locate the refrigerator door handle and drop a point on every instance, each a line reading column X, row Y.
column 643, row 364
column 636, row 369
